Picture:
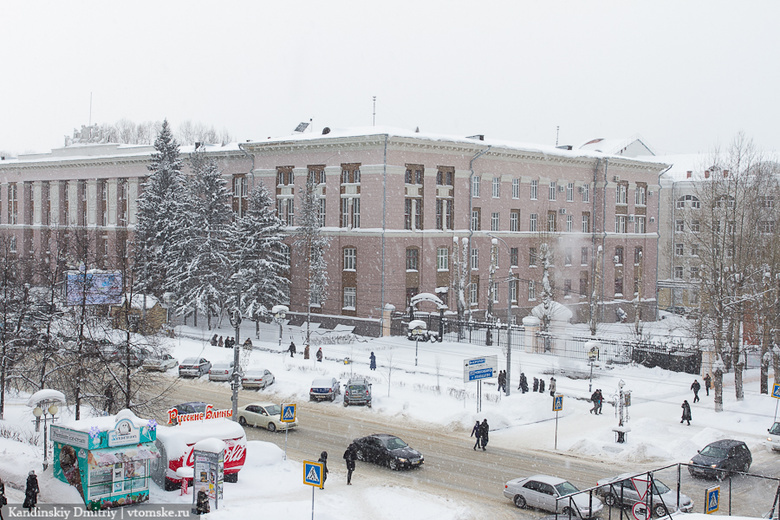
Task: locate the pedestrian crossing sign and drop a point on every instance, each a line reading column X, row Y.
column 288, row 413
column 711, row 499
column 312, row 473
column 776, row 390
column 558, row 403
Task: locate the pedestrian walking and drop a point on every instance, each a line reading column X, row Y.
column 483, row 433
column 319, row 354
column 475, row 432
column 229, row 342
column 221, row 343
column 541, row 386
column 324, row 461
column 372, row 361
column 536, row 385
column 350, row 456
column 695, row 386
column 306, row 351
column 214, row 340
column 552, row 386
column 599, row 401
column 247, row 343
column 502, row 380
column 707, row 383
column 291, row 349
column 686, row 413
column 523, row 383
column 31, row 491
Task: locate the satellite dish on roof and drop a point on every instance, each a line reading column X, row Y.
column 326, row 130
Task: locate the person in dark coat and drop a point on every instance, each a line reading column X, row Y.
column 247, row 343
column 372, row 361
column 599, row 401
column 483, row 433
column 541, row 386
column 214, row 340
column 3, row 499
column 695, row 386
column 523, row 383
column 350, row 456
column 202, row 505
column 230, row 342
column 319, row 354
column 475, row 432
column 324, row 461
column 707, row 383
column 686, row 414
column 291, row 350
column 221, row 343
column 594, row 398
column 536, row 385
column 552, row 386
column 31, row 491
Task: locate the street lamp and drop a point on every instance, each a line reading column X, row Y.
column 510, row 279
column 50, row 411
column 235, row 320
column 417, row 328
column 279, row 312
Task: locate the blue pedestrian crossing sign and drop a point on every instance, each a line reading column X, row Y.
column 558, row 403
column 288, row 413
column 312, row 473
column 776, row 390
column 711, row 499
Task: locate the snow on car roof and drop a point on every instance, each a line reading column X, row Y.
column 322, row 381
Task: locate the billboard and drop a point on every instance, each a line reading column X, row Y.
column 93, row 288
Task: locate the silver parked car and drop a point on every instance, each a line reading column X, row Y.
column 324, row 388
column 194, row 367
column 257, row 378
column 545, row 492
column 221, row 372
column 161, row 362
column 626, row 490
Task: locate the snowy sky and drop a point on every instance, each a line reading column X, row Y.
column 684, row 76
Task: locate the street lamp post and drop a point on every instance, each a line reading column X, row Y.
column 280, row 312
column 510, row 279
column 235, row 320
column 39, row 411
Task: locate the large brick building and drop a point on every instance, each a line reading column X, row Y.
column 395, row 205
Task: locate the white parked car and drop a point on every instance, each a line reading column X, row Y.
column 257, row 378
column 161, row 362
column 194, row 367
column 221, row 372
column 773, row 441
column 545, row 492
column 324, row 388
column 265, row 415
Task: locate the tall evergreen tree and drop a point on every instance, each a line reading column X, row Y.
column 159, row 215
column 259, row 265
column 202, row 258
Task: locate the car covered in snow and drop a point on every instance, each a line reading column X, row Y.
column 552, row 494
column 324, row 389
column 387, row 450
column 264, row 415
column 627, row 489
column 257, row 378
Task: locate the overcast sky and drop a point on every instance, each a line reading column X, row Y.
column 685, row 76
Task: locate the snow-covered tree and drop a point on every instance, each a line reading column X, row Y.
column 159, row 215
column 311, row 245
column 259, row 265
column 460, row 270
column 202, row 260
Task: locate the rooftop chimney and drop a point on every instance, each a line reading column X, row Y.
column 725, row 173
column 706, row 174
column 688, row 174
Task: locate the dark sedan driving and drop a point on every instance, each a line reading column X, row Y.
column 387, row 450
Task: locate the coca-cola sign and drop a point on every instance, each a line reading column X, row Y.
column 235, row 456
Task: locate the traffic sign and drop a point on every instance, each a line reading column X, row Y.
column 312, row 473
column 642, row 486
column 483, row 367
column 288, row 413
column 640, row 511
column 711, row 499
column 558, row 403
column 776, row 390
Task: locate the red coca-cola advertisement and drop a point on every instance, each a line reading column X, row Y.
column 175, row 445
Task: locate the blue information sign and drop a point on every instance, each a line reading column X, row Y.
column 312, row 473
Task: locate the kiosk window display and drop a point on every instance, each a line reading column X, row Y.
column 107, row 459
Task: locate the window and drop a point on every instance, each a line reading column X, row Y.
column 767, row 201
column 640, row 195
column 414, row 174
column 532, row 257
column 350, row 212
column 532, row 226
column 586, row 222
column 567, row 254
column 284, row 175
column 567, row 288
column 413, row 213
column 583, row 284
column 12, row 243
column 620, row 223
column 621, row 193
column 583, row 256
column 513, row 256
column 350, row 173
column 321, row 211
column 637, row 255
column 619, row 255
column 639, row 224
column 515, row 188
column 695, row 226
column 766, row 226
column 514, row 220
column 475, row 258
column 679, row 226
column 694, row 202
column 513, row 291
column 102, row 192
column 240, row 195
column 531, row 290
column 474, row 290
column 442, row 259
column 475, row 186
column 570, row 192
column 678, row 272
column 553, row 194
column 694, row 250
column 350, row 298
column 445, row 175
column 494, row 291
column 286, row 210
column 569, row 223
column 618, row 286
column 284, row 249
column 412, row 259
column 694, row 273
column 494, row 221
column 444, row 213
column 534, row 189
column 496, row 187
column 475, row 219
column 13, row 202
column 350, row 258
column 551, row 216
column 121, row 203
column 586, row 193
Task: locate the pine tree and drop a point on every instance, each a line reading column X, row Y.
column 259, row 264
column 159, row 215
column 202, row 258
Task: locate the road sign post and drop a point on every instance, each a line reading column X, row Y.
column 477, row 369
column 776, row 395
column 313, row 476
column 711, row 499
column 288, row 416
column 557, row 407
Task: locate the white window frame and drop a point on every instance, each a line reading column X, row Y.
column 494, row 221
column 533, row 222
column 474, row 259
column 350, row 298
column 570, row 192
column 515, row 188
column 350, row 259
column 553, row 191
column 496, row 187
column 475, row 182
column 534, row 189
column 442, row 259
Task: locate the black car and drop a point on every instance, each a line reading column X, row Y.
column 721, row 458
column 387, row 450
